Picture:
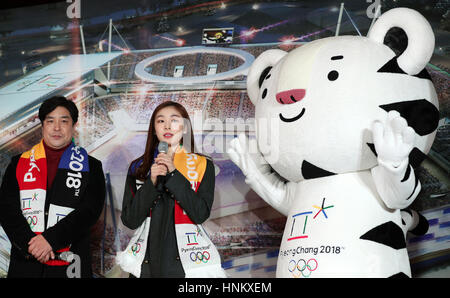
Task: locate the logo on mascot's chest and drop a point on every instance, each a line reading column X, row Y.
column 298, row 226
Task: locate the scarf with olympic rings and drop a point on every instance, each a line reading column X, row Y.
column 69, row 185
column 198, row 255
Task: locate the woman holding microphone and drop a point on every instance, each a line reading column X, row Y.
column 169, row 192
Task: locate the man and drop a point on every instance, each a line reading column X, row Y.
column 50, row 197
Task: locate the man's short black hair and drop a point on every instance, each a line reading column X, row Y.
column 58, row 101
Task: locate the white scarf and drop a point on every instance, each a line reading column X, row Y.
column 199, row 257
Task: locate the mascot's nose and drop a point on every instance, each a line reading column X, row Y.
column 291, row 96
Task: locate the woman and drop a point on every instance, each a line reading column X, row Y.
column 174, row 191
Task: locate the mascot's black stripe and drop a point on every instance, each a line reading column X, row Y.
column 372, row 148
column 422, row 227
column 408, row 172
column 415, row 186
column 399, row 275
column 420, row 114
column 392, row 67
column 388, row 234
column 310, row 171
column 407, row 211
column 416, row 157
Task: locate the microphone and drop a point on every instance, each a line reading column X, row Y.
column 66, row 256
column 164, row 148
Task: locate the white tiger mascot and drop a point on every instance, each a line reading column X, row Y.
column 349, row 119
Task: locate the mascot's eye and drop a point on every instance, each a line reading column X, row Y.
column 333, row 75
column 264, row 93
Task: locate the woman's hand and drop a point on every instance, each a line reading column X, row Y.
column 165, row 159
column 157, row 170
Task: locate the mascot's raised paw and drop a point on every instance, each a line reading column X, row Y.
column 238, row 153
column 393, row 141
column 394, row 177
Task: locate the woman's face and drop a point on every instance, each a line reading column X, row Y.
column 169, row 126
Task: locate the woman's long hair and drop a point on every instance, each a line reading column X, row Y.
column 152, row 140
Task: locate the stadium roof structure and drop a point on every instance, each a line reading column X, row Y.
column 22, row 95
column 141, row 73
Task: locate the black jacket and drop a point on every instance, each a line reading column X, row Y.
column 74, row 229
column 162, row 258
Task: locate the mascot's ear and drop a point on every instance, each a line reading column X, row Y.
column 420, row 37
column 259, row 69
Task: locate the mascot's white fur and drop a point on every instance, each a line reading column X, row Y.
column 341, row 123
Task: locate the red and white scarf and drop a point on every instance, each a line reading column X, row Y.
column 199, row 257
column 70, row 183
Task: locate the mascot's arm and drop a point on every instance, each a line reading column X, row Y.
column 272, row 189
column 268, row 185
column 394, row 178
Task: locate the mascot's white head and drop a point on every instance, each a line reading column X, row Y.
column 320, row 100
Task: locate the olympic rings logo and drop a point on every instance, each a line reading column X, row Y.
column 135, row 248
column 300, row 266
column 32, row 221
column 199, row 257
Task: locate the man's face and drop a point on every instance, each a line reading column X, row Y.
column 58, row 128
